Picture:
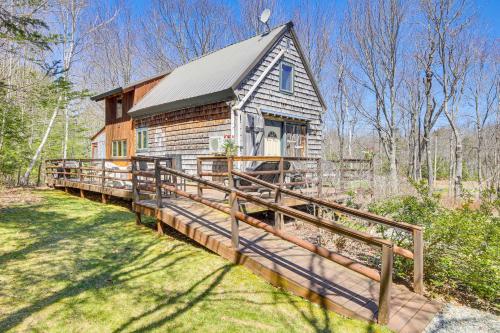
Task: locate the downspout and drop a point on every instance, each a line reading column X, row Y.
column 236, row 110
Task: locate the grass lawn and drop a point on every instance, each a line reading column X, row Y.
column 74, row 265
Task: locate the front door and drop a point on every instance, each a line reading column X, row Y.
column 273, row 135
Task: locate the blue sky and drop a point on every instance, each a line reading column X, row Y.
column 488, row 10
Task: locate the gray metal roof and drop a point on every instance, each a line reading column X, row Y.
column 208, row 79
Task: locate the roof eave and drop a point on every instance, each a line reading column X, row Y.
column 220, row 96
column 108, row 93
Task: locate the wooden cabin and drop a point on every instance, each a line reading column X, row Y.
column 259, row 92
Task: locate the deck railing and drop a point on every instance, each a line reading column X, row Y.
column 162, row 177
column 235, row 195
column 304, row 172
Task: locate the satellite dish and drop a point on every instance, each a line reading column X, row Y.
column 264, row 17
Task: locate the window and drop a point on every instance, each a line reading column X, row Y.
column 296, row 139
column 142, row 139
column 119, row 148
column 286, row 77
column 119, row 108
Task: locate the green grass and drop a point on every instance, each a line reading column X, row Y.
column 73, row 265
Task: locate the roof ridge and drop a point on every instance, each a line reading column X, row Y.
column 234, row 43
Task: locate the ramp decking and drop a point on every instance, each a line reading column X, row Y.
column 292, row 268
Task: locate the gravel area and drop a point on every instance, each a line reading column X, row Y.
column 462, row 319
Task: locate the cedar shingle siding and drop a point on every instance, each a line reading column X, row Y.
column 304, row 101
column 185, row 132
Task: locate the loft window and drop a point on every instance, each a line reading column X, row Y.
column 119, row 148
column 286, row 77
column 142, row 138
column 119, row 108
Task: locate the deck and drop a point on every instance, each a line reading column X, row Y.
column 293, row 268
column 337, row 287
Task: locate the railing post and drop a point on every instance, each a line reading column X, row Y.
column 319, row 183
column 385, row 284
column 80, row 171
column 158, row 183
column 174, row 177
column 418, row 261
column 199, row 169
column 233, row 203
column 64, row 169
column 278, row 217
column 103, row 180
column 135, row 191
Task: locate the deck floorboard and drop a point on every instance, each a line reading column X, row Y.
column 293, row 268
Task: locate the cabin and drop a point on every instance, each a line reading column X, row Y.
column 259, row 94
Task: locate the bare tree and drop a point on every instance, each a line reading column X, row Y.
column 179, row 31
column 483, row 94
column 376, row 47
column 315, row 29
column 449, row 20
column 249, row 23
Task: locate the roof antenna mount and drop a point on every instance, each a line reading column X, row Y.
column 264, row 18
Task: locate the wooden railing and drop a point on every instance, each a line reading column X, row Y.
column 304, row 172
column 233, row 209
column 162, row 177
column 417, row 255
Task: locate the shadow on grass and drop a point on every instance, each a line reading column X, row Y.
column 49, row 229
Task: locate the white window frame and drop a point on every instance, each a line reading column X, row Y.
column 284, row 63
column 121, row 148
column 141, row 134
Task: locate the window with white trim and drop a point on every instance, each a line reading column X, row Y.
column 119, row 148
column 286, row 77
column 142, row 138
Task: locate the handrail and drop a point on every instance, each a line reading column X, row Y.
column 327, row 224
column 416, row 231
column 385, row 277
column 348, row 210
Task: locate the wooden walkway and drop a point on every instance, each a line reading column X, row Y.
column 200, row 210
column 293, row 268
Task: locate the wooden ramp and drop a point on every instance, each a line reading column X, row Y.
column 291, row 267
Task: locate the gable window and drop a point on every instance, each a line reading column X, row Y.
column 119, row 108
column 142, row 138
column 119, row 148
column 286, row 77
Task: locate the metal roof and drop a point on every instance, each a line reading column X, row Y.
column 210, row 78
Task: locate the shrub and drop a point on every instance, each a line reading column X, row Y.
column 461, row 245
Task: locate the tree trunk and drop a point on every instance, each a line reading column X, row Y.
column 458, row 165
column 38, row 151
column 66, row 131
column 393, row 165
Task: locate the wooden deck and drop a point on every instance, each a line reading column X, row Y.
column 295, row 265
column 293, row 268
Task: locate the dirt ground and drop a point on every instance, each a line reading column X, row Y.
column 17, row 196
